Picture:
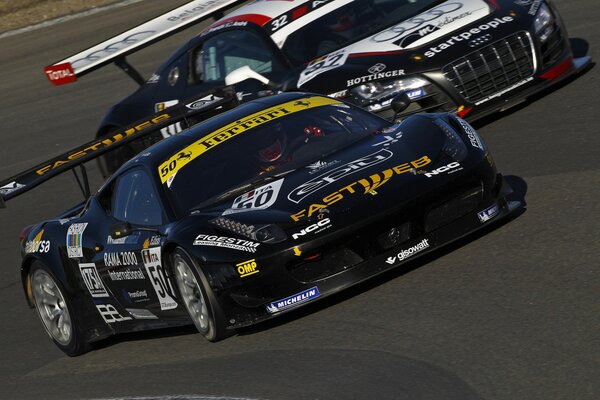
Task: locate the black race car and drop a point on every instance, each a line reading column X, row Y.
column 470, row 57
column 250, row 214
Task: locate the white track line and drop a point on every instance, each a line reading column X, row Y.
column 67, row 18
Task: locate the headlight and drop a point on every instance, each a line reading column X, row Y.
column 373, row 91
column 544, row 22
column 269, row 233
column 454, row 146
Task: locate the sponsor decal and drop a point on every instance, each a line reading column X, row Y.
column 416, row 93
column 10, row 187
column 503, row 92
column 450, row 169
column 226, row 242
column 124, row 258
column 92, row 280
column 431, row 24
column 138, row 296
column 152, row 241
column 369, row 185
column 190, row 10
column 247, row 268
column 110, row 314
column 495, row 23
column 155, row 78
column 300, row 11
column 374, row 77
column 296, row 195
column 171, row 166
column 37, row 245
column 159, row 279
column 131, row 239
column 60, row 74
column 100, row 144
column 314, row 228
column 171, row 130
column 323, row 64
column 74, row 240
column 379, row 67
column 230, row 24
column 471, row 134
column 320, row 165
column 478, row 41
column 411, row 251
column 203, row 102
column 257, row 199
column 488, row 213
column 158, row 107
column 390, row 139
column 297, row 251
column 294, row 300
column 98, row 52
column 126, row 275
column 140, row 313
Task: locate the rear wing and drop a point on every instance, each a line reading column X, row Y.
column 116, row 48
column 187, row 113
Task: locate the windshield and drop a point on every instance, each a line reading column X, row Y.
column 269, row 149
column 348, row 24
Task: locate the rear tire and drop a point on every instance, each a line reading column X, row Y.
column 56, row 311
column 199, row 300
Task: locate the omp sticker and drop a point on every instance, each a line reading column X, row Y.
column 256, row 199
column 158, row 278
column 323, row 64
column 179, row 160
column 92, row 280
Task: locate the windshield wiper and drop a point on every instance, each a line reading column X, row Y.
column 242, row 188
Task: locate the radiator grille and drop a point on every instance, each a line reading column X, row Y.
column 492, row 68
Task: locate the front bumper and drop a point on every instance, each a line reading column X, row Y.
column 438, row 218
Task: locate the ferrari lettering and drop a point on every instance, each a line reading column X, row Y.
column 101, row 144
column 169, row 168
column 368, row 186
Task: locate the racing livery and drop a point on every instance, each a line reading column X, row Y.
column 316, row 195
column 471, row 57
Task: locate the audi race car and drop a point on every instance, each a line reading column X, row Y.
column 470, row 57
column 250, row 214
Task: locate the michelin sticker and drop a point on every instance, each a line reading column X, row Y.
column 293, row 301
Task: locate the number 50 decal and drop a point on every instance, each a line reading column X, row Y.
column 158, row 278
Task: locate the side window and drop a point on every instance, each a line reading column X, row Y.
column 228, row 51
column 135, row 201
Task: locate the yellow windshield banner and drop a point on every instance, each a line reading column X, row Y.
column 169, row 168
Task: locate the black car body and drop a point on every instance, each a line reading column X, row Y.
column 470, row 57
column 252, row 213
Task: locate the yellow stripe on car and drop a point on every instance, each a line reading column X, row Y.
column 170, row 167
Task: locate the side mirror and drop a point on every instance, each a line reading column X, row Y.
column 243, row 73
column 120, row 230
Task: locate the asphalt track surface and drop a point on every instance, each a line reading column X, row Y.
column 509, row 314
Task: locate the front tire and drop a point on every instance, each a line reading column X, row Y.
column 198, row 298
column 56, row 312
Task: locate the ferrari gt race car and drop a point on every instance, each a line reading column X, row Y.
column 250, row 214
column 471, row 57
